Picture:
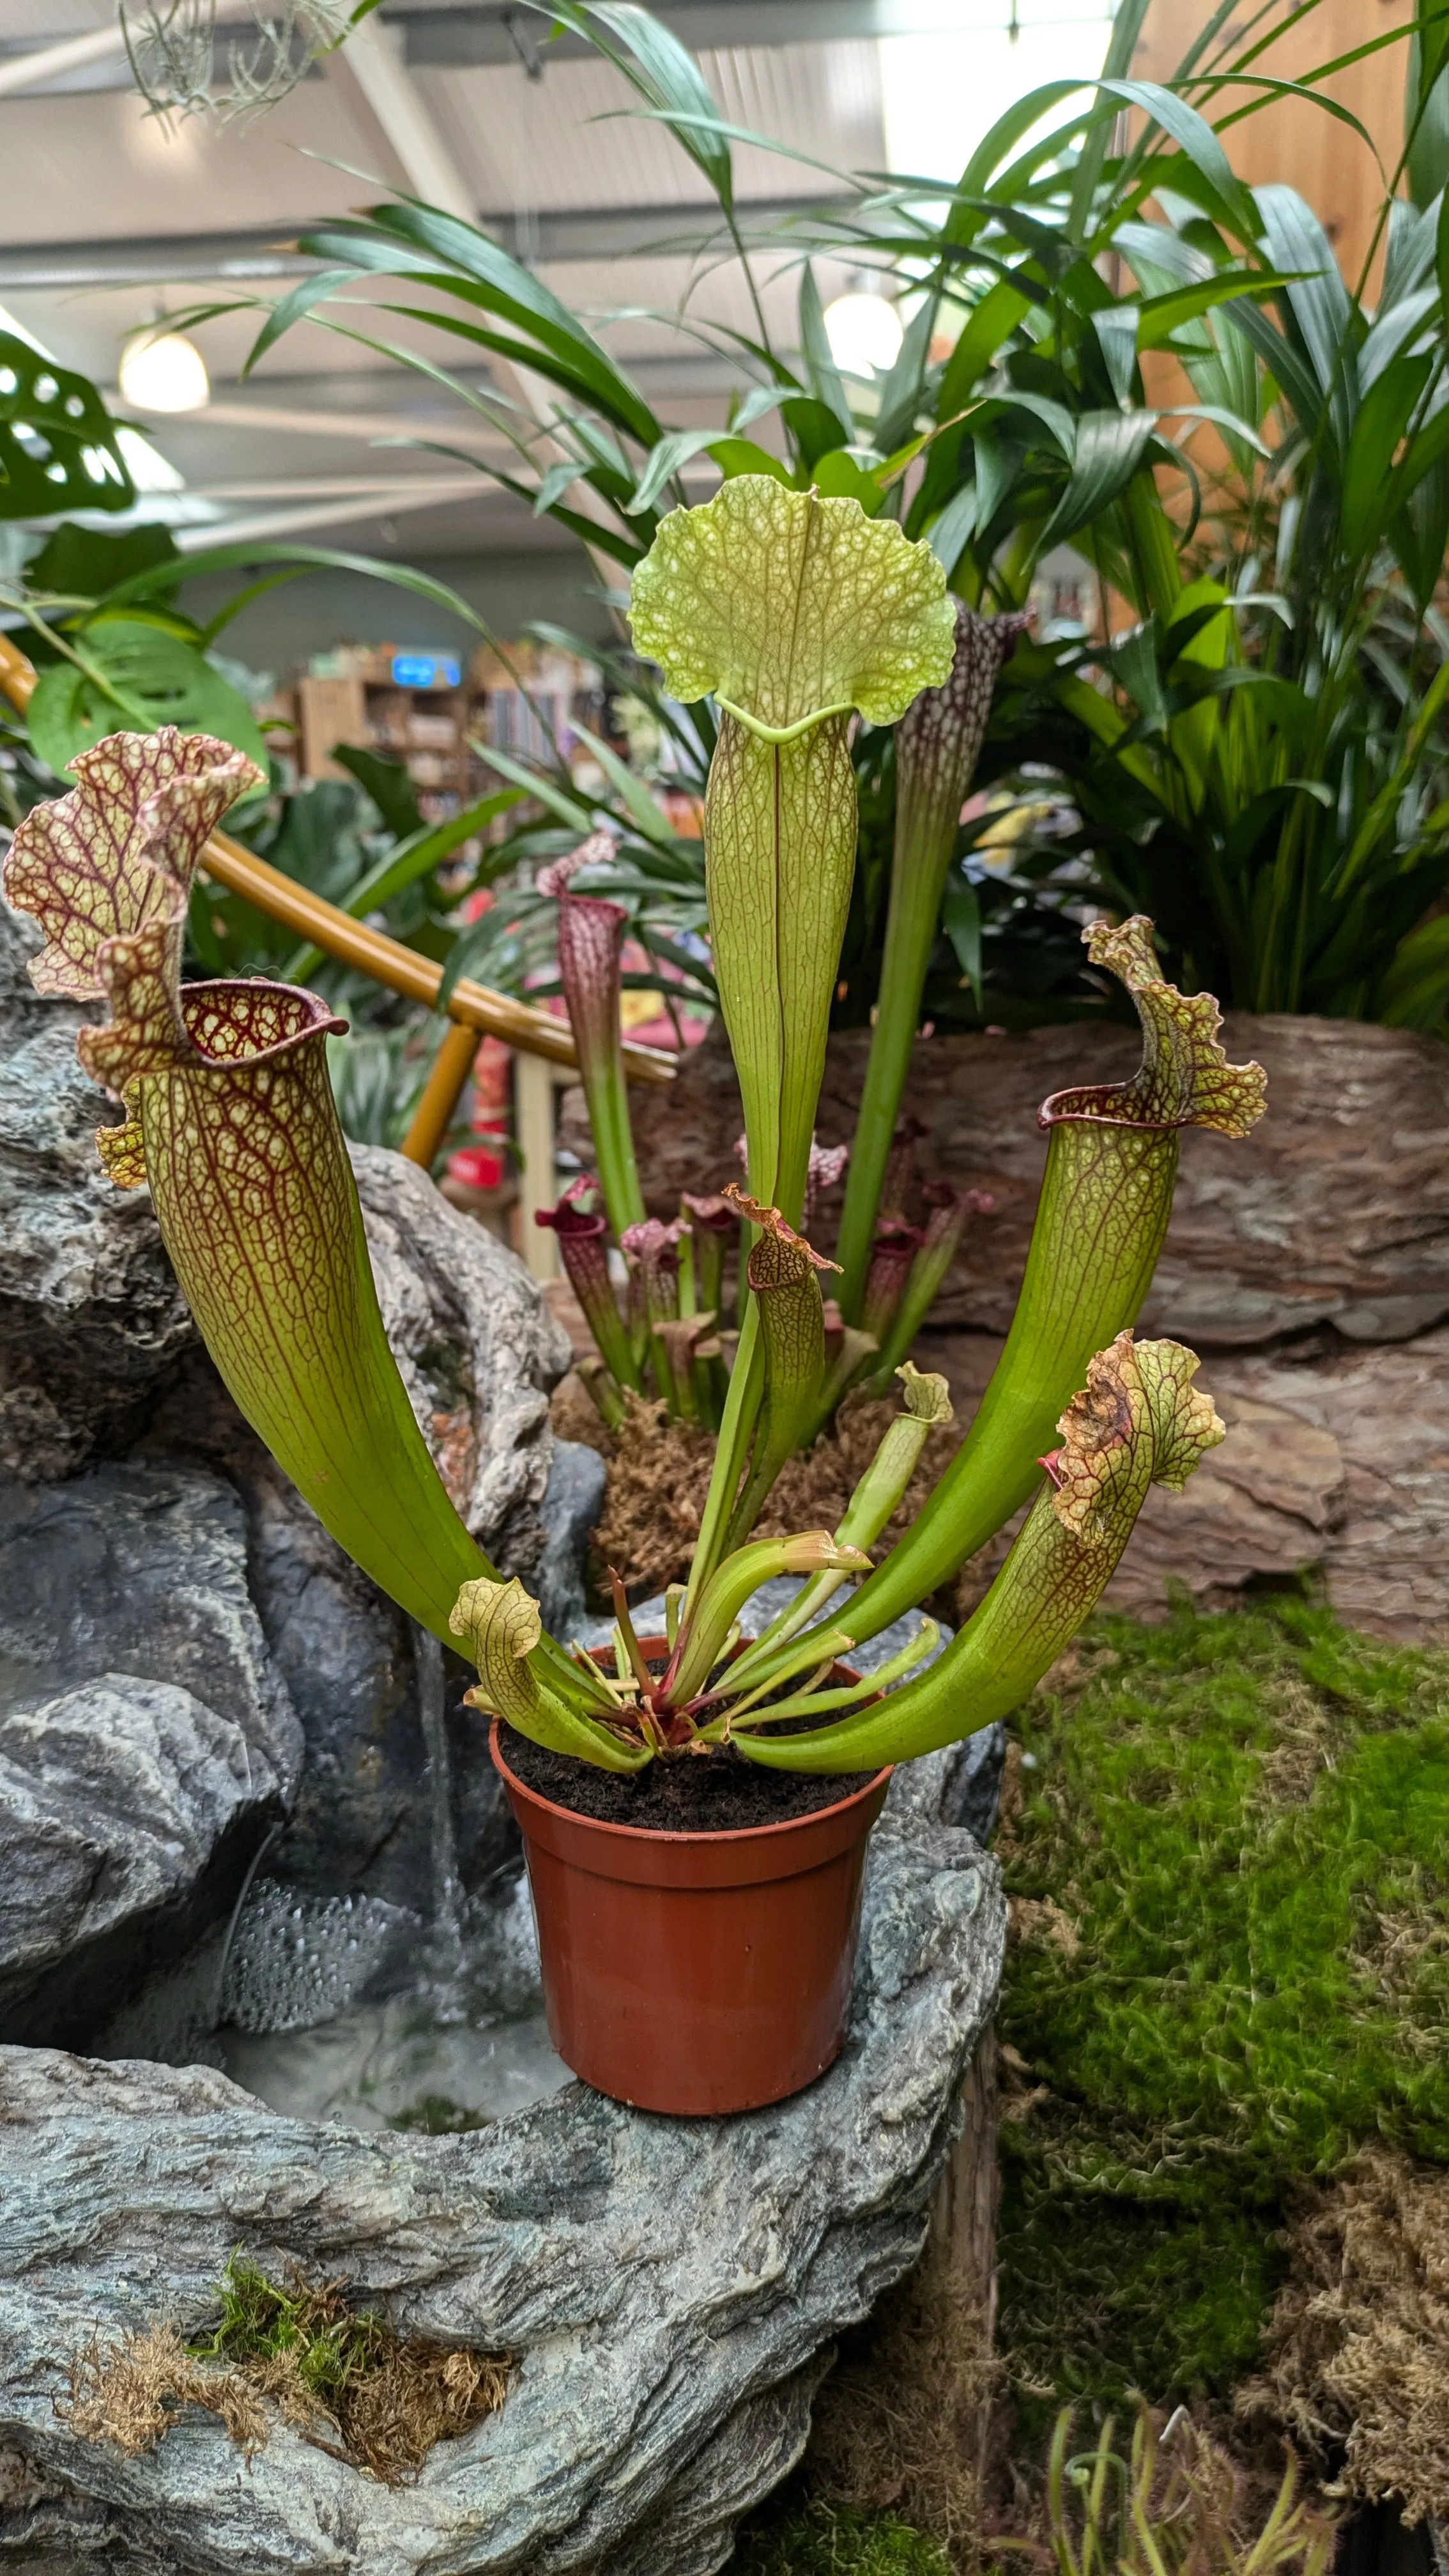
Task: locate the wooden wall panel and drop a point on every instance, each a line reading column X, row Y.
column 1293, row 141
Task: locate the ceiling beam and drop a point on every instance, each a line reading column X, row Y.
column 499, row 31
column 269, row 251
column 390, row 500
column 371, row 62
column 38, row 64
column 318, row 421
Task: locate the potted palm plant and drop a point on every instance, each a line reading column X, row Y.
column 694, row 1806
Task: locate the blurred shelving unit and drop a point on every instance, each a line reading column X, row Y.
column 430, row 710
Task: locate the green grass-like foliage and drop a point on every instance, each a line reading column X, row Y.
column 1233, row 1968
column 830, row 2540
column 330, row 2344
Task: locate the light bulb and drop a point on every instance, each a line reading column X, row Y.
column 165, row 374
column 864, row 332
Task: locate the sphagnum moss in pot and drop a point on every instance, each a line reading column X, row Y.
column 695, row 1808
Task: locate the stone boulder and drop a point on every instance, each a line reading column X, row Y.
column 99, row 1361
column 93, row 1327
column 91, row 1318
column 669, row 2288
column 147, row 1740
column 478, row 1348
column 1308, row 1263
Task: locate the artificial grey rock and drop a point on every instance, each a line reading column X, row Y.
column 128, row 1813
column 98, row 1358
column 147, row 1739
column 93, row 1325
column 91, row 1318
column 572, row 1502
column 478, row 1349
column 670, row 2287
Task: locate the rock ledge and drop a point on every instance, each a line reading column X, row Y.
column 670, row 2286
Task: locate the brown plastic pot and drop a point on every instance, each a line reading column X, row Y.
column 696, row 1973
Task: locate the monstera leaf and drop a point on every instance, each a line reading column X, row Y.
column 58, row 446
column 140, row 671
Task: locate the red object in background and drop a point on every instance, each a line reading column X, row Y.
column 482, row 1166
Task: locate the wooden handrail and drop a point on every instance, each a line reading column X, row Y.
column 372, row 952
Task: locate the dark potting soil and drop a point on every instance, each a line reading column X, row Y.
column 697, row 1793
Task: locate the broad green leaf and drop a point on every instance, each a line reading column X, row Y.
column 555, row 481
column 1116, row 333
column 631, row 791
column 389, row 783
column 299, row 301
column 1195, row 137
column 1413, row 993
column 1003, row 137
column 409, row 240
column 58, row 447
column 950, row 532
column 961, row 921
column 1110, row 448
column 90, row 563
column 1121, row 45
column 1054, row 416
column 1441, row 251
column 1410, row 258
column 1319, row 300
column 1427, row 106
column 821, row 371
column 1001, row 309
column 568, row 808
column 814, row 427
column 1391, row 329
column 139, row 677
column 1162, row 315
column 736, row 456
column 661, row 465
column 402, row 867
column 1291, row 371
column 1384, row 417
column 240, row 555
column 901, row 391
column 842, row 478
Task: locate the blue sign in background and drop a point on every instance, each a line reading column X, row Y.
column 426, row 671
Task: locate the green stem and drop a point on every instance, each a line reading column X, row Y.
column 937, row 743
column 709, row 1618
column 732, row 1449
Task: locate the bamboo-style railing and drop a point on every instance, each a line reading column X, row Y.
column 475, row 1009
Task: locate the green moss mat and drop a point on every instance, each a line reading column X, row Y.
column 826, row 2541
column 1231, row 1861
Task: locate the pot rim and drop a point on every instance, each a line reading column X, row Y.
column 733, row 1834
